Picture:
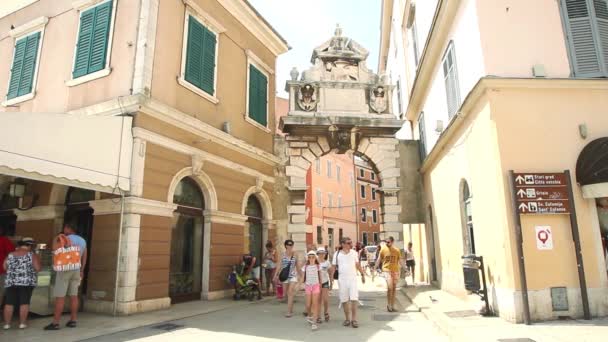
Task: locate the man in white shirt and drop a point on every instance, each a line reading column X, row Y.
column 346, row 263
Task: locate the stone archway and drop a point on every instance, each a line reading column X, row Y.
column 339, row 105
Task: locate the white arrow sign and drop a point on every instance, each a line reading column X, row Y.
column 521, row 193
column 519, row 179
column 523, row 207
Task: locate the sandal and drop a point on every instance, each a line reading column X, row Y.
column 346, row 323
column 288, row 315
column 71, row 324
column 314, row 327
column 52, row 326
column 354, row 324
column 327, row 317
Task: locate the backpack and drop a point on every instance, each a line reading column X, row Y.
column 66, row 257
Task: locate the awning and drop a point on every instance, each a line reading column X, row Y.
column 90, row 152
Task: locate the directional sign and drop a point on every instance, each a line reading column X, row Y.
column 542, row 193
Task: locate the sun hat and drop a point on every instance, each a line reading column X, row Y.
column 311, row 252
column 27, row 241
column 321, row 250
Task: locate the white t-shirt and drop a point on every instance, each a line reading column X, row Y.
column 325, row 265
column 312, row 274
column 346, row 264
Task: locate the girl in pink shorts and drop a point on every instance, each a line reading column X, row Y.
column 312, row 283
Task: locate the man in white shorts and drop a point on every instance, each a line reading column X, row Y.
column 346, row 263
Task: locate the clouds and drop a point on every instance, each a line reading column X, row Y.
column 306, row 24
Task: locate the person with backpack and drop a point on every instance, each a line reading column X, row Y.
column 69, row 260
column 312, row 287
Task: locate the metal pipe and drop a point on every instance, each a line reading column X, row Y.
column 577, row 248
column 520, row 251
column 122, row 212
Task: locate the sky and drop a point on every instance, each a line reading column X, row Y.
column 306, row 24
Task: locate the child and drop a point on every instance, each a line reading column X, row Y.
column 326, row 283
column 312, row 282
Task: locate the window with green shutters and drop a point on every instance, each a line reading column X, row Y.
column 24, row 66
column 586, row 23
column 200, row 56
column 258, row 96
column 93, row 40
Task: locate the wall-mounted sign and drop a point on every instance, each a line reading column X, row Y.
column 544, row 238
column 541, row 193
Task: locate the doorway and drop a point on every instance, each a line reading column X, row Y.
column 79, row 214
column 185, row 271
column 254, row 214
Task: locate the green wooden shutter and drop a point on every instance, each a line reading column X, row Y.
column 29, row 64
column 208, row 76
column 200, row 56
column 100, row 37
column 583, row 47
column 18, row 57
column 93, row 40
column 258, row 96
column 194, row 53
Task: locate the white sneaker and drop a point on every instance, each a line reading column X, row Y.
column 6, row 326
column 22, row 326
column 314, row 327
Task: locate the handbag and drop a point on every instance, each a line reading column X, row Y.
column 336, row 273
column 284, row 275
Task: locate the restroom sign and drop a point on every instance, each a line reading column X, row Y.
column 544, row 238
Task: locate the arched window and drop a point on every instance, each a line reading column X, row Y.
column 467, row 219
column 185, row 274
column 78, row 195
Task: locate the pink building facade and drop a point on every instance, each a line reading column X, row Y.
column 368, row 202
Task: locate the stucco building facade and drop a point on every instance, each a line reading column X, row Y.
column 184, row 95
column 494, row 86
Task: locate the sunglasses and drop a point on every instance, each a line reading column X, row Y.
column 288, row 245
column 348, row 243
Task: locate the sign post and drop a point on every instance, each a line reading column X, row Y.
column 545, row 194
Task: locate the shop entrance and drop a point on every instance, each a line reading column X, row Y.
column 185, row 272
column 79, row 214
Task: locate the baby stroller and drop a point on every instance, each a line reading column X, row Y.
column 245, row 286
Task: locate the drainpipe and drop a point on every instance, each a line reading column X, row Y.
column 122, row 212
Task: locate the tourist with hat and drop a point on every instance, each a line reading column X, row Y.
column 312, row 286
column 21, row 267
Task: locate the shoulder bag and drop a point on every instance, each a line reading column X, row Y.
column 284, row 275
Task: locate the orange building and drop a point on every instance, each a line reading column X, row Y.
column 330, row 200
column 368, row 202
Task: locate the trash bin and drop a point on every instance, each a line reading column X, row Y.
column 470, row 268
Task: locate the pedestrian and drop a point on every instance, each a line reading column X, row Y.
column 69, row 260
column 312, row 287
column 390, row 257
column 270, row 267
column 326, row 283
column 6, row 247
column 21, row 267
column 346, row 263
column 372, row 254
column 289, row 260
column 410, row 262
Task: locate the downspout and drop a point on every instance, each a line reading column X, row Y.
column 122, row 212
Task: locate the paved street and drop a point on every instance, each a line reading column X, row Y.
column 264, row 321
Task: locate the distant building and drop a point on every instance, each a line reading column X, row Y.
column 368, row 202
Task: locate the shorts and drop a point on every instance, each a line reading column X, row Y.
column 18, row 295
column 66, row 283
column 255, row 272
column 325, row 285
column 312, row 289
column 348, row 289
column 410, row 263
column 293, row 279
column 391, row 277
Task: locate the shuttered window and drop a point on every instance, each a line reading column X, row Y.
column 93, row 40
column 586, row 24
column 422, row 136
column 200, row 56
column 450, row 75
column 24, row 66
column 258, row 96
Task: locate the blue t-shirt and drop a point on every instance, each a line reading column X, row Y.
column 77, row 240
